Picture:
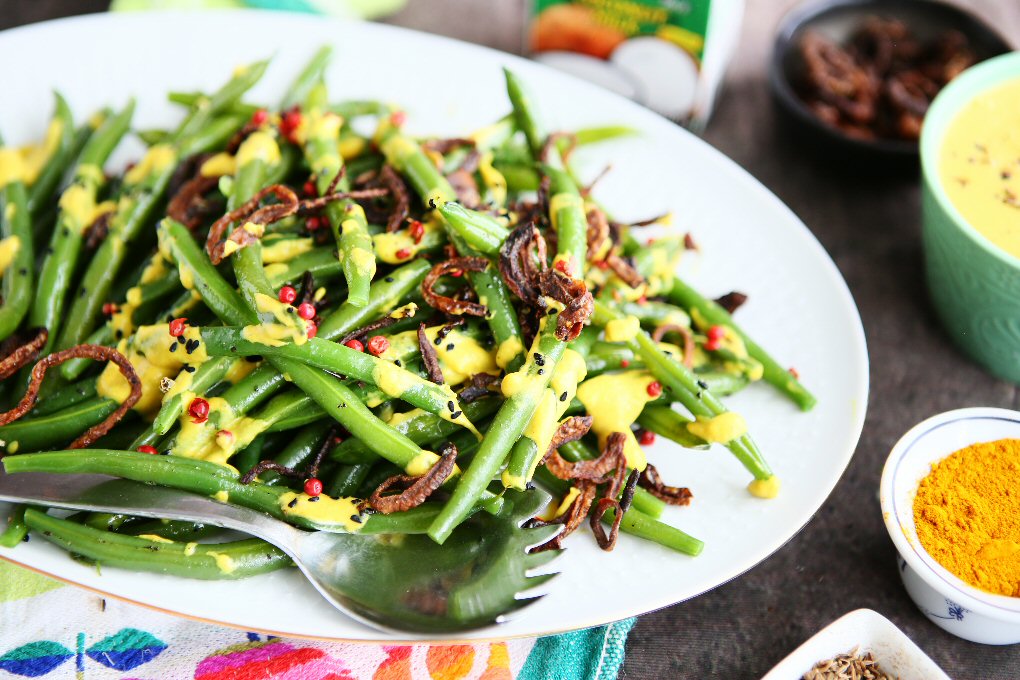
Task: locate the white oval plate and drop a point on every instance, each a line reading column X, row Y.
column 799, row 305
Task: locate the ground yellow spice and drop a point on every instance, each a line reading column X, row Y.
column 967, row 512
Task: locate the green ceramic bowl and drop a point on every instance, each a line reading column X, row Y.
column 974, row 285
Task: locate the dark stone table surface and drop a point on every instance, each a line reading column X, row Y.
column 869, row 221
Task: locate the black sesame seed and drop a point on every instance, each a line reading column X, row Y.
column 314, row 499
column 189, row 368
column 456, row 414
column 541, row 371
column 173, row 346
column 292, row 503
column 702, row 384
column 449, row 347
column 357, row 518
column 563, row 397
column 118, row 334
column 439, row 341
column 450, row 405
column 388, row 279
column 397, row 362
column 539, row 359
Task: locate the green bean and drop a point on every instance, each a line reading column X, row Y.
column 61, row 426
column 347, row 479
column 192, row 99
column 664, row 421
column 66, row 396
column 638, row 524
column 172, row 529
column 16, row 529
column 683, row 386
column 78, row 210
column 610, row 356
column 16, row 234
column 480, row 231
column 421, row 427
column 144, row 187
column 708, row 313
column 346, row 218
column 207, row 374
column 407, row 156
column 566, row 211
column 393, row 379
column 652, row 313
column 299, row 451
column 321, row 263
column 355, row 108
column 524, row 114
column 63, row 141
column 593, row 135
column 385, row 294
column 224, row 98
column 234, row 560
column 527, row 386
column 309, row 77
column 176, row 241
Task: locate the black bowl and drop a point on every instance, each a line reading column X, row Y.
column 837, row 19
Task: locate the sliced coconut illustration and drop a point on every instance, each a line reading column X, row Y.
column 593, row 70
column 666, row 75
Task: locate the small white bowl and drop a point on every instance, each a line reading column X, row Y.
column 895, row 653
column 950, row 603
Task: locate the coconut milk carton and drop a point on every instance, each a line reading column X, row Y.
column 666, row 54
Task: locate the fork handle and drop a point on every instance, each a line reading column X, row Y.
column 100, row 493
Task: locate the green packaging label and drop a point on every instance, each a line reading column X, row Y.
column 598, row 27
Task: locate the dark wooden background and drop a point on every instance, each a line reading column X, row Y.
column 869, row 222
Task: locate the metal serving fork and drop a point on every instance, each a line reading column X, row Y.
column 393, row 584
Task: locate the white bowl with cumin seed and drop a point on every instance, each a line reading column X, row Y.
column 949, row 602
column 868, row 631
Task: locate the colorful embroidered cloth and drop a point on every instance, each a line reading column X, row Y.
column 49, row 630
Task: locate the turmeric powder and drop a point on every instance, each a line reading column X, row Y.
column 967, row 514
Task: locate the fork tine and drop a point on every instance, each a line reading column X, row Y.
column 538, row 559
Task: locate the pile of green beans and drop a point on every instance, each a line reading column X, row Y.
column 297, row 357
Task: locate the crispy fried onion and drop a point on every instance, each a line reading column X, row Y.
column 674, row 495
column 577, row 300
column 188, row 188
column 97, row 231
column 255, row 217
column 684, row 332
column 394, row 184
column 449, row 305
column 624, row 269
column 731, row 302
column 97, row 353
column 522, row 262
column 312, row 470
column 417, row 489
column 17, row 352
column 429, row 357
column 587, row 475
column 465, row 186
column 480, row 385
column 189, row 205
column 599, row 232
column 620, row 507
column 552, row 142
column 358, row 333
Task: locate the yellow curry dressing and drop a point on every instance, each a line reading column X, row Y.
column 979, row 165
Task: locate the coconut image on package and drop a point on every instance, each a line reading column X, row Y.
column 668, row 55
